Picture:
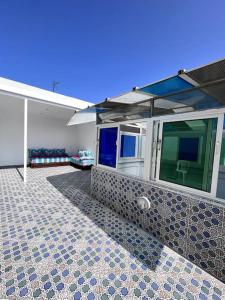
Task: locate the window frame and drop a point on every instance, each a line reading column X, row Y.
column 117, row 124
column 216, row 159
column 97, row 147
column 136, row 146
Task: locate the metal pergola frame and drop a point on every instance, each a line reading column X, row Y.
column 214, row 90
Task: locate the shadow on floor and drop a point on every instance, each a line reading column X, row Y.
column 20, row 174
column 76, row 187
column 78, row 180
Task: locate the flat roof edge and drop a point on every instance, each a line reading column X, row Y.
column 35, row 93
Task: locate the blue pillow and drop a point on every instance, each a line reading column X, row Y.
column 81, row 153
column 89, row 153
column 35, row 153
column 48, row 152
column 59, row 152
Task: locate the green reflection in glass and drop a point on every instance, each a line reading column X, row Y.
column 222, row 154
column 221, row 175
column 187, row 153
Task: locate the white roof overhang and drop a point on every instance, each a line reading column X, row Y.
column 20, row 90
column 83, row 117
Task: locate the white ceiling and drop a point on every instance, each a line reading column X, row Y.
column 8, row 103
column 50, row 111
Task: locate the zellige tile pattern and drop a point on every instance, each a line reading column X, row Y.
column 192, row 226
column 57, row 242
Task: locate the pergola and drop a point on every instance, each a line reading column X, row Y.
column 198, row 89
column 188, row 97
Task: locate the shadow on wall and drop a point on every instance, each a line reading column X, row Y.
column 76, row 187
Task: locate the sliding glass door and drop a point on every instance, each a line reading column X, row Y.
column 186, row 152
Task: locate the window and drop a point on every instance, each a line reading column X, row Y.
column 128, row 145
column 132, row 148
column 107, row 146
column 187, row 153
column 184, row 152
column 130, row 139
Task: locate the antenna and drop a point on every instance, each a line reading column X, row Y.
column 54, row 84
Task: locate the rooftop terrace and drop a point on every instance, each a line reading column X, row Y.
column 57, row 242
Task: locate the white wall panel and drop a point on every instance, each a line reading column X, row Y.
column 11, row 131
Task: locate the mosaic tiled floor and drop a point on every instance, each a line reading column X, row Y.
column 59, row 243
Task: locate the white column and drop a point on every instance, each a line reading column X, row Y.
column 148, row 150
column 25, row 142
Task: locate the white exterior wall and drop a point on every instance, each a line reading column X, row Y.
column 42, row 132
column 85, row 136
column 11, row 132
column 46, row 132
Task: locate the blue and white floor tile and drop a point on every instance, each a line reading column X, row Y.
column 59, row 243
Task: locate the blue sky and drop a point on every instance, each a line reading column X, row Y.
column 101, row 48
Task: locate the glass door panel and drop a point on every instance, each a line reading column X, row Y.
column 107, row 146
column 187, row 153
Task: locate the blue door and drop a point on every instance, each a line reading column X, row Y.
column 107, row 146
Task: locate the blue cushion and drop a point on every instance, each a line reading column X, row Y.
column 89, row 153
column 59, row 152
column 46, row 153
column 33, row 153
column 81, row 153
column 85, row 153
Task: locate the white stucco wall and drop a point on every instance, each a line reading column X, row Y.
column 11, row 132
column 85, row 136
column 41, row 133
column 50, row 133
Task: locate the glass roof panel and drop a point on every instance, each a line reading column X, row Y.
column 191, row 100
column 167, row 86
column 122, row 112
column 130, row 98
column 169, row 96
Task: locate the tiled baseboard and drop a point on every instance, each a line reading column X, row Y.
column 192, row 226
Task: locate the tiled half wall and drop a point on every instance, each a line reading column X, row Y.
column 191, row 225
